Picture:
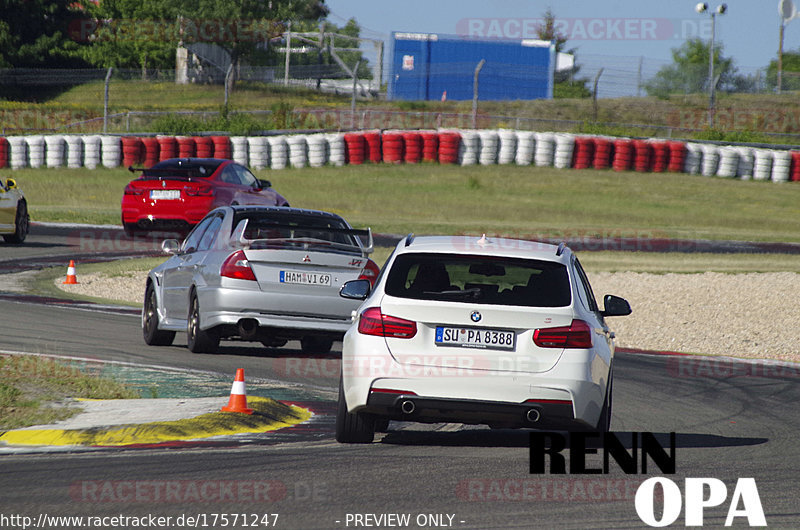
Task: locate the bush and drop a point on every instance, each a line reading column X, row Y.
column 567, row 90
column 178, row 124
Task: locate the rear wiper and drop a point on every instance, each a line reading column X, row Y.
column 472, row 293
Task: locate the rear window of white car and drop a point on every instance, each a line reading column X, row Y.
column 479, row 279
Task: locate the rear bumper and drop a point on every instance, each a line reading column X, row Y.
column 570, row 393
column 140, row 211
column 227, row 307
column 546, row 414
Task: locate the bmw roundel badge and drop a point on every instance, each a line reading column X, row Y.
column 475, row 316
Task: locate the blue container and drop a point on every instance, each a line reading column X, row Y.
column 425, row 66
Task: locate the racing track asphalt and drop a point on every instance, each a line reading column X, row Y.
column 732, row 419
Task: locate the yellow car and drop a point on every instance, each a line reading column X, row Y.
column 14, row 219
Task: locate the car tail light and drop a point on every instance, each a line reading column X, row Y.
column 237, row 266
column 576, row 335
column 370, row 272
column 131, row 190
column 550, row 401
column 199, row 191
column 373, row 322
column 392, row 391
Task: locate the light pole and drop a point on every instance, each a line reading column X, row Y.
column 702, row 7
column 788, row 12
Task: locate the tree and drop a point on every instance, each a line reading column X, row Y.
column 35, row 33
column 688, row 73
column 145, row 33
column 251, row 21
column 567, row 85
column 790, row 77
column 547, row 31
column 129, row 33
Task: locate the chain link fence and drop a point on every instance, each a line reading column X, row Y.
column 617, row 77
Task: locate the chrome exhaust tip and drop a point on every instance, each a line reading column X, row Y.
column 533, row 415
column 408, row 406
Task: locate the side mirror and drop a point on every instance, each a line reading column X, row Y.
column 355, row 289
column 170, row 246
column 615, row 306
column 265, row 183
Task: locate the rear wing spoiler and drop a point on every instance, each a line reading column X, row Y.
column 238, row 239
column 174, row 172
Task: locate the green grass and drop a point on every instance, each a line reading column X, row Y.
column 526, row 202
column 162, row 95
column 31, row 388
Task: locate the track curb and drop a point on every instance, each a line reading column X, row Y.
column 268, row 415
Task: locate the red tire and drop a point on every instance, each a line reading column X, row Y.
column 623, row 154
column 583, row 153
column 374, row 150
column 355, row 148
column 392, row 147
column 660, row 157
column 186, row 147
column 168, row 147
column 152, row 151
column 204, row 147
column 3, row 152
column 794, row 172
column 132, row 150
column 642, row 151
column 602, row 153
column 222, row 146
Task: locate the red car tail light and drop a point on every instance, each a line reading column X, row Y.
column 370, row 272
column 576, row 335
column 392, row 391
column 236, row 266
column 131, row 190
column 199, row 191
column 373, row 322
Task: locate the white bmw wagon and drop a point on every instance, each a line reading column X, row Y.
column 501, row 332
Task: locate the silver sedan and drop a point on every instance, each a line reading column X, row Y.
column 258, row 273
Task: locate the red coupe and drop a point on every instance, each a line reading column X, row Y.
column 177, row 193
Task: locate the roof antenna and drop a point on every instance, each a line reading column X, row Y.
column 482, row 241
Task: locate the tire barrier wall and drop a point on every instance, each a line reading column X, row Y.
column 462, row 147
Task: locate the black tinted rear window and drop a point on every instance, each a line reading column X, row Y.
column 273, row 226
column 194, row 168
column 479, row 279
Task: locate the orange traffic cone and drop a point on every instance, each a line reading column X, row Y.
column 71, row 278
column 238, row 400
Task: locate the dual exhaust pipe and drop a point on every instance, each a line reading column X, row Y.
column 408, row 407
